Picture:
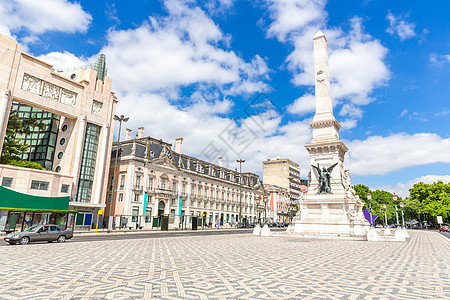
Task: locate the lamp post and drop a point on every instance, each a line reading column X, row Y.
column 240, row 161
column 385, row 216
column 121, row 119
column 403, row 217
column 394, row 197
column 369, row 197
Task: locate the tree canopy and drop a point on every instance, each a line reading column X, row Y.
column 426, row 201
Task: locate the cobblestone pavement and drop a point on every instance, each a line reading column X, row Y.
column 237, row 266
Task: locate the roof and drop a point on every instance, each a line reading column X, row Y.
column 154, row 150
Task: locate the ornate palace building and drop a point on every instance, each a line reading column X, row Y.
column 153, row 181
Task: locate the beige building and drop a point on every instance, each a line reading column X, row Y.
column 283, row 173
column 153, row 180
column 77, row 108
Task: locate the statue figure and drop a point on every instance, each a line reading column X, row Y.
column 324, row 178
column 350, row 192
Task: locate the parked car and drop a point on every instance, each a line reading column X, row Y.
column 41, row 233
column 445, row 228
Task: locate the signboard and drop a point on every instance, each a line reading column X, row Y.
column 439, row 219
column 100, row 212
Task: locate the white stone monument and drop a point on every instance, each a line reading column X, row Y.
column 331, row 207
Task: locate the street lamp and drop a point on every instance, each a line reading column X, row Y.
column 240, row 161
column 394, row 197
column 121, row 119
column 403, row 217
column 369, row 197
column 385, row 216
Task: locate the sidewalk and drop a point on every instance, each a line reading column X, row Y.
column 103, row 231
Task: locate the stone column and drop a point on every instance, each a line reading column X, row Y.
column 78, row 155
column 129, row 193
column 324, row 108
column 5, row 108
column 102, row 159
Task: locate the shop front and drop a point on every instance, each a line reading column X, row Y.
column 20, row 211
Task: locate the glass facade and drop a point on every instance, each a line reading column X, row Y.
column 88, row 160
column 42, row 142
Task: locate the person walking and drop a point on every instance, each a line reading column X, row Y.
column 218, row 224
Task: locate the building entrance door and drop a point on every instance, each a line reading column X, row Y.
column 161, row 207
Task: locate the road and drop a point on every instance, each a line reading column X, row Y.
column 133, row 235
column 226, row 264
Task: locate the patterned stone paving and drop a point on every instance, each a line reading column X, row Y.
column 237, row 266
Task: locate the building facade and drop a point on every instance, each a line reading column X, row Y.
column 153, row 181
column 280, row 208
column 76, row 108
column 284, row 173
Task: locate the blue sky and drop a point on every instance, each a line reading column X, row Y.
column 204, row 70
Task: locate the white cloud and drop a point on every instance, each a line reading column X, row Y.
column 380, row 155
column 355, row 58
column 402, row 189
column 438, row 59
column 199, row 124
column 303, row 105
column 397, row 25
column 63, row 60
column 351, row 111
column 404, row 113
column 348, row 124
column 37, row 17
column 184, row 48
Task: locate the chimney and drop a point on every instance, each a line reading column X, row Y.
column 128, row 136
column 178, row 145
column 220, row 161
column 140, row 132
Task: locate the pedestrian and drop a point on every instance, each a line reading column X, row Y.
column 218, row 224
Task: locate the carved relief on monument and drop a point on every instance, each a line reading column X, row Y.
column 68, row 97
column 97, row 108
column 31, row 84
column 50, row 91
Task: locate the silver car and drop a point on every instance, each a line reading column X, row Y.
column 42, row 233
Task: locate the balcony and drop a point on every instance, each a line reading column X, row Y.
column 137, row 189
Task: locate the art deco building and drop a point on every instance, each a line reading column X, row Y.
column 153, row 181
column 76, row 107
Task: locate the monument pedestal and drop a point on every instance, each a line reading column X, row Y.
column 330, row 215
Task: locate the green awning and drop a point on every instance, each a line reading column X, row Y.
column 40, row 210
column 15, row 201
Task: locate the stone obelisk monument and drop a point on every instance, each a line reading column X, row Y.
column 331, row 207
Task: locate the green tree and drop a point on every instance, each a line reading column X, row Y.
column 13, row 145
column 434, row 200
column 379, row 197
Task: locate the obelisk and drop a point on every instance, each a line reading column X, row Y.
column 330, row 207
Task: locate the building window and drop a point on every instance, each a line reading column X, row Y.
column 120, row 197
column 84, row 219
column 174, row 186
column 7, row 181
column 138, row 181
column 39, row 185
column 42, row 140
column 150, row 184
column 136, row 197
column 65, row 188
column 163, row 183
column 148, row 215
column 135, row 213
column 122, row 182
column 88, row 160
